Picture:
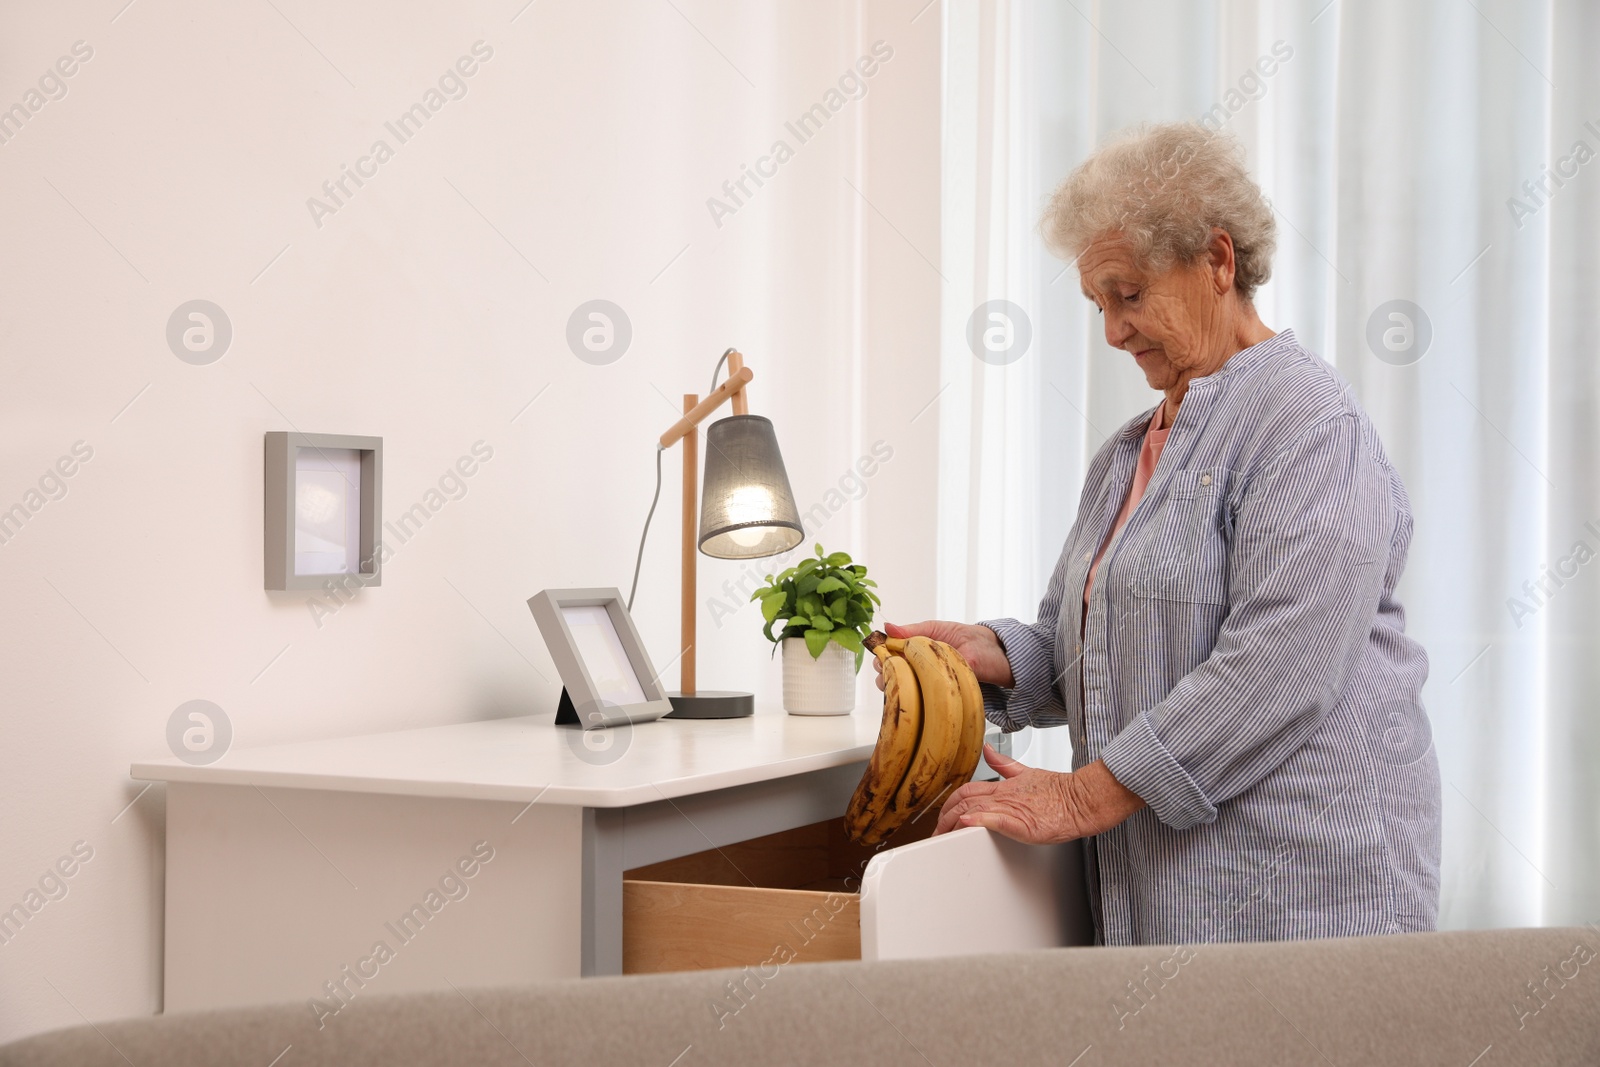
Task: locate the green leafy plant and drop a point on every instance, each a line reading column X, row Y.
column 822, row 599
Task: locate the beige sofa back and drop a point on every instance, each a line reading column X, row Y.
column 1481, row 998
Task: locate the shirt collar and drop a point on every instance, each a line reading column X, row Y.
column 1256, row 354
column 1244, row 359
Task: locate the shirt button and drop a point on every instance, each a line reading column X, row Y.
column 1086, row 557
column 1205, row 479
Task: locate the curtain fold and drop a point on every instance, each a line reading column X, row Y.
column 1436, row 154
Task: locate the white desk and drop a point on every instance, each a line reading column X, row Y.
column 287, row 863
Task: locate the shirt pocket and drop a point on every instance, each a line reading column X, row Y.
column 1187, row 557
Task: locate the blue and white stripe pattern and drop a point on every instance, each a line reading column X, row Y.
column 1244, row 669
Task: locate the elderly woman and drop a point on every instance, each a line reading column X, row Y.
column 1221, row 634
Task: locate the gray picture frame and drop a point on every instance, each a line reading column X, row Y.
column 591, row 711
column 281, row 450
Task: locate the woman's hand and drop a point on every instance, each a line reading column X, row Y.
column 978, row 645
column 1037, row 806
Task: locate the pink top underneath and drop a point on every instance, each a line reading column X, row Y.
column 1154, row 439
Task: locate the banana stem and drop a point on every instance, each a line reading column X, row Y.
column 883, row 646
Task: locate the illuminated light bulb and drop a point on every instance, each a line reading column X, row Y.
column 750, row 503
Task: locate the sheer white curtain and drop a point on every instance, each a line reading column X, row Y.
column 1439, row 152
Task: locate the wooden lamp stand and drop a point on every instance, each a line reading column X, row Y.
column 688, row 702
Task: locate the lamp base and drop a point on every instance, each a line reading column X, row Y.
column 711, row 704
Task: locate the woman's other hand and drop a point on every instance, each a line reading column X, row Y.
column 978, row 645
column 1037, row 806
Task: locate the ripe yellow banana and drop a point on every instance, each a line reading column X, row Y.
column 898, row 735
column 930, row 740
column 943, row 720
column 972, row 744
column 971, row 748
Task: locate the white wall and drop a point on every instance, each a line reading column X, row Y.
column 429, row 309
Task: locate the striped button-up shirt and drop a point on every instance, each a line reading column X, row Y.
column 1244, row 669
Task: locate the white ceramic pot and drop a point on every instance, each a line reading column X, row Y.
column 822, row 686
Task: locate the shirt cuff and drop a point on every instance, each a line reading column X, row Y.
column 994, row 702
column 1137, row 758
column 998, row 698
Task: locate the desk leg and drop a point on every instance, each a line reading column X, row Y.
column 603, row 833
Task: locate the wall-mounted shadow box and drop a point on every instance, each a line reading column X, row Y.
column 324, row 495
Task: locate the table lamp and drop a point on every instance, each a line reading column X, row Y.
column 748, row 512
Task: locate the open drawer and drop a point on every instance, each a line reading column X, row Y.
column 789, row 896
column 809, row 895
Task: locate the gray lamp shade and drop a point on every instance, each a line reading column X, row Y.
column 747, row 509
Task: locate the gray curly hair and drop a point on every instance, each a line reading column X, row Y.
column 1163, row 188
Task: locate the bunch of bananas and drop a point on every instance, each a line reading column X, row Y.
column 930, row 739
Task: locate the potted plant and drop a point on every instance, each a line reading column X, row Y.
column 824, row 605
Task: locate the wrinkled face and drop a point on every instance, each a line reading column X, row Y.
column 1171, row 322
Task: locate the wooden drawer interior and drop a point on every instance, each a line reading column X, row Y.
column 786, row 897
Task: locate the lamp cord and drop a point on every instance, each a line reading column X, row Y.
column 639, row 558
column 646, row 531
column 718, row 370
